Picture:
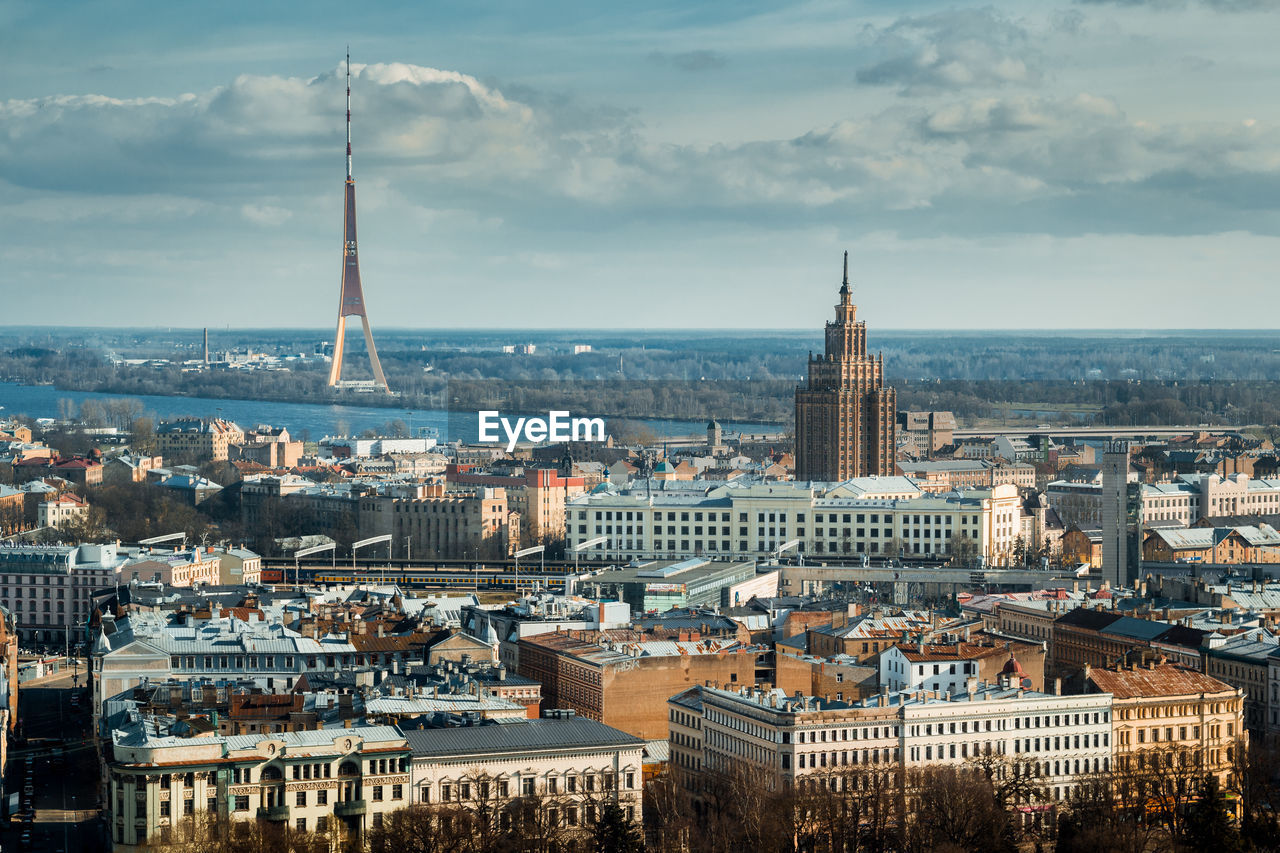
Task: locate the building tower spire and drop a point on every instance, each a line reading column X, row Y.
column 351, row 296
column 846, row 417
column 349, row 117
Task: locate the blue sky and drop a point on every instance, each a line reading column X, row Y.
column 1004, row 165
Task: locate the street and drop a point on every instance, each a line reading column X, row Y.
column 59, row 759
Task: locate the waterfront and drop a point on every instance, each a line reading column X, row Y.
column 307, row 420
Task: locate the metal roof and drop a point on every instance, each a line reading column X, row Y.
column 518, row 737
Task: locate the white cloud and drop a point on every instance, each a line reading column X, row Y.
column 437, row 140
column 945, row 51
column 265, row 214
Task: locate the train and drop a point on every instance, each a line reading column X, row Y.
column 426, row 577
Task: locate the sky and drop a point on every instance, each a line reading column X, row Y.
column 666, row 164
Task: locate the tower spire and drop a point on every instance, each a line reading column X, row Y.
column 844, row 287
column 351, row 297
column 349, row 116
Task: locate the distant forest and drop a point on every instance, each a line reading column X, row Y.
column 985, row 378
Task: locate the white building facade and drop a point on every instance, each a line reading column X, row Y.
column 877, row 517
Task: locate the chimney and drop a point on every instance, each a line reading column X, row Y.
column 1057, row 687
column 346, row 724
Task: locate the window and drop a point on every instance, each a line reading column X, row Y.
column 526, row 787
column 242, row 802
column 322, row 797
column 302, row 824
column 397, row 792
column 300, row 798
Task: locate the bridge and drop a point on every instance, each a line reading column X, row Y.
column 1138, row 432
column 798, row 580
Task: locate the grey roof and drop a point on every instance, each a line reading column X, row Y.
column 1139, row 629
column 656, row 751
column 522, row 736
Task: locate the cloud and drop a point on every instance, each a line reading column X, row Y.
column 692, row 60
column 441, row 150
column 1220, row 5
column 265, row 214
column 949, row 51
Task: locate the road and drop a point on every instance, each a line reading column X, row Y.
column 65, row 796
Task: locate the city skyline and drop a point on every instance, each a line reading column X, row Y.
column 980, row 164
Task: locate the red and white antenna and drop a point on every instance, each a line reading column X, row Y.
column 348, row 113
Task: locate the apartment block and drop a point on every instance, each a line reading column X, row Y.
column 162, row 771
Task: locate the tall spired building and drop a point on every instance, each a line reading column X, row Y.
column 846, row 419
column 351, row 298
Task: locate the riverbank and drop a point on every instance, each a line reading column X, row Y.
column 307, row 420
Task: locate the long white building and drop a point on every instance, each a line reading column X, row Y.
column 805, row 741
column 1184, row 500
column 875, row 516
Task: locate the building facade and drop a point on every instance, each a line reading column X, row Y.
column 1161, row 709
column 574, row 764
column 49, row 588
column 806, row 742
column 197, row 439
column 625, row 683
column 160, row 772
column 880, row 517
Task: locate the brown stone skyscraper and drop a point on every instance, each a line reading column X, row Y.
column 846, row 419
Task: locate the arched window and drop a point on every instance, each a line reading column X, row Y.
column 272, row 773
column 349, row 768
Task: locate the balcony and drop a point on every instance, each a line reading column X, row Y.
column 350, row 808
column 273, row 813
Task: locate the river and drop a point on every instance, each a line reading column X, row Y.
column 307, row 420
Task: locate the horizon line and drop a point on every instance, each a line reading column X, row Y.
column 656, row 329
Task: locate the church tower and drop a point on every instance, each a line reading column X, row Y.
column 846, row 419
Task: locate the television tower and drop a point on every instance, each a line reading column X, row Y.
column 351, row 298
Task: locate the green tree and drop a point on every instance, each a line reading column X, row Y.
column 1207, row 825
column 614, row 832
